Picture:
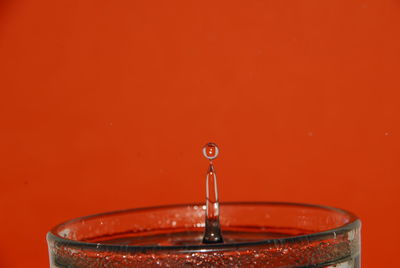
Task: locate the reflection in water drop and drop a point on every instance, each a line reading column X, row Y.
column 212, row 232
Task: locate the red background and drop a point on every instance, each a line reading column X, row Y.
column 106, row 104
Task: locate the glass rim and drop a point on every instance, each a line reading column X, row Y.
column 354, row 222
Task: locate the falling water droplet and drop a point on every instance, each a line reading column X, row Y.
column 212, row 232
column 210, row 151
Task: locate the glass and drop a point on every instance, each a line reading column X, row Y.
column 257, row 234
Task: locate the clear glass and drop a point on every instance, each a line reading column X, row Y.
column 255, row 234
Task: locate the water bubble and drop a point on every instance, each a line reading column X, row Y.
column 210, row 151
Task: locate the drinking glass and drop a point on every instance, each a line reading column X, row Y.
column 256, row 234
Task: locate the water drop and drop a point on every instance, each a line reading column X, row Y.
column 212, row 233
column 210, row 151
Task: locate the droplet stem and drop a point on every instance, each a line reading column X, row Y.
column 212, row 232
